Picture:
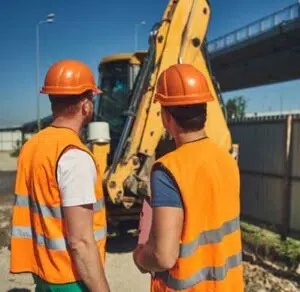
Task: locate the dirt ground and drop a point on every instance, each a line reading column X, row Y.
column 121, row 272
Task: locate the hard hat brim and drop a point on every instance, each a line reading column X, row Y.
column 183, row 100
column 52, row 90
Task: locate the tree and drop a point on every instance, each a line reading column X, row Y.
column 236, row 107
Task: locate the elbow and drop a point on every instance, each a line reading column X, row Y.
column 165, row 261
column 77, row 244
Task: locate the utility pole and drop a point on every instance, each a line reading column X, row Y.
column 136, row 34
column 49, row 19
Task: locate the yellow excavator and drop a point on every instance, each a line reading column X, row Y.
column 127, row 134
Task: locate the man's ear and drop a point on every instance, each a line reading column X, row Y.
column 169, row 120
column 168, row 117
column 85, row 108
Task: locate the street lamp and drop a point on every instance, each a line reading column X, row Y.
column 136, row 27
column 49, row 19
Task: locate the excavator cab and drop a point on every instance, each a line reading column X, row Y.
column 117, row 75
column 128, row 128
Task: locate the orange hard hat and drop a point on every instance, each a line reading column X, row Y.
column 69, row 77
column 182, row 84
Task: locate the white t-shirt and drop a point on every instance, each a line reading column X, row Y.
column 76, row 176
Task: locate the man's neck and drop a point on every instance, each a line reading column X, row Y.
column 61, row 122
column 187, row 137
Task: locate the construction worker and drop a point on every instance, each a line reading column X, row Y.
column 59, row 222
column 195, row 239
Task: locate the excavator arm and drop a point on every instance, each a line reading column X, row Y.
column 178, row 38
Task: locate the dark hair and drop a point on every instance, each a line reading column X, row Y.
column 65, row 99
column 189, row 117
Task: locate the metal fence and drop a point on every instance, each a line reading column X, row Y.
column 269, row 164
column 255, row 28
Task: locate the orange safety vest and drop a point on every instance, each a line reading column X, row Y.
column 38, row 241
column 210, row 257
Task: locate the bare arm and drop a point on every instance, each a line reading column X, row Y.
column 162, row 250
column 84, row 250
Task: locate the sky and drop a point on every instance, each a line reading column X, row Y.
column 89, row 30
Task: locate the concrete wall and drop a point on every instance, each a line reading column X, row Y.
column 270, row 170
column 10, row 138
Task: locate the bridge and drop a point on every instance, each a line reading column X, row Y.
column 264, row 52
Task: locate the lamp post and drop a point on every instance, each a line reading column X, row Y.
column 136, row 27
column 49, row 19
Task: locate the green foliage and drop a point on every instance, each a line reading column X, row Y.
column 236, row 107
column 269, row 245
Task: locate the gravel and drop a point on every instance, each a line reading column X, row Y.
column 258, row 279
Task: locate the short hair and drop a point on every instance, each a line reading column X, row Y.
column 67, row 104
column 190, row 117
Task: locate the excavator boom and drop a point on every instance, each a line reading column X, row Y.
column 178, row 38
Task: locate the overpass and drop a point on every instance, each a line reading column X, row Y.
column 264, row 52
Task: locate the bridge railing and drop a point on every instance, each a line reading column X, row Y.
column 255, row 28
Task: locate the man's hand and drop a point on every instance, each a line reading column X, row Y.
column 136, row 255
column 161, row 251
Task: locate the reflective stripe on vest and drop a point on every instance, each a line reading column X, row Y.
column 210, row 237
column 98, row 205
column 46, row 211
column 205, row 274
column 53, row 244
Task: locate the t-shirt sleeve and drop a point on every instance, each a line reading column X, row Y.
column 76, row 176
column 164, row 190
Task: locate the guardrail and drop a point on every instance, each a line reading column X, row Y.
column 255, row 28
